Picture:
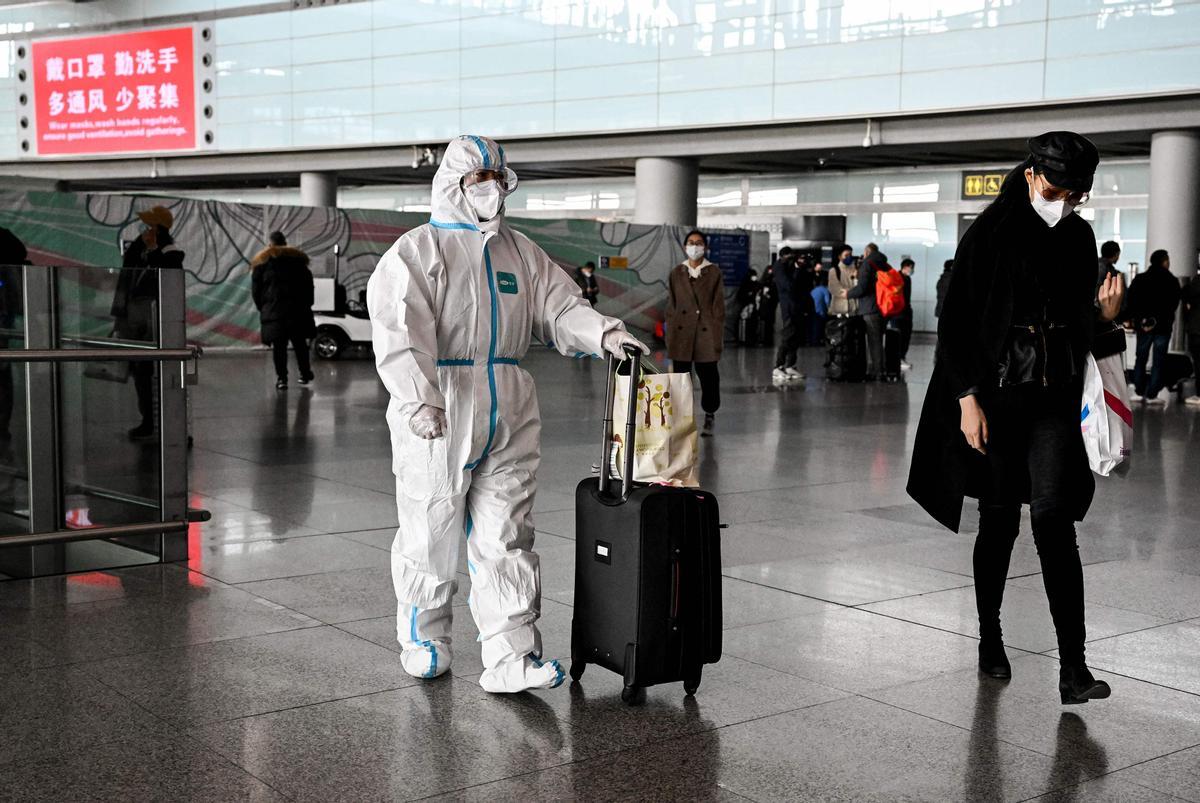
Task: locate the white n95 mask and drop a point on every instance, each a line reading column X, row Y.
column 485, row 198
column 694, row 251
column 1052, row 212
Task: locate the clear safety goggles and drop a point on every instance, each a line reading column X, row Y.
column 506, row 178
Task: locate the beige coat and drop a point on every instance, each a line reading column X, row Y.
column 696, row 314
column 839, row 305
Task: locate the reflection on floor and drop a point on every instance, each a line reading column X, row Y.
column 265, row 668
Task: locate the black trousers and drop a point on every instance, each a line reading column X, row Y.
column 710, row 382
column 789, row 342
column 300, row 346
column 875, row 324
column 1033, row 435
column 906, row 329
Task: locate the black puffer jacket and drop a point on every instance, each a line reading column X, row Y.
column 1153, row 299
column 282, row 286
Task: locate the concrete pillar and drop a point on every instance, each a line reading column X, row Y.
column 1174, row 214
column 318, row 189
column 666, row 191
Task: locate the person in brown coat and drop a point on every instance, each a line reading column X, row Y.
column 696, row 322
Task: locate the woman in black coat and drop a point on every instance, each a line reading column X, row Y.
column 1001, row 417
column 282, row 286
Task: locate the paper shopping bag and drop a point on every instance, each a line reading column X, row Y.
column 665, row 448
column 1106, row 418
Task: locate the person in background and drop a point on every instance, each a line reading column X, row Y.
column 135, row 298
column 586, row 279
column 1191, row 320
column 745, row 305
column 696, row 322
column 282, row 286
column 943, row 287
column 842, row 278
column 792, row 312
column 12, row 256
column 864, row 291
column 820, row 314
column 1110, row 254
column 768, row 303
column 907, row 266
column 1153, row 299
column 868, row 249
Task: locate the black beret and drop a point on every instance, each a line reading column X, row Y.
column 1067, row 159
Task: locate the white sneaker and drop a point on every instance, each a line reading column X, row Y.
column 792, row 373
column 427, row 662
column 905, row 365
column 531, row 672
column 1133, row 397
column 1194, row 401
column 1157, row 402
column 779, row 375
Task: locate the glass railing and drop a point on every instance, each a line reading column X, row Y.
column 93, row 373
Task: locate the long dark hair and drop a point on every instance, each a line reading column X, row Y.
column 1014, row 191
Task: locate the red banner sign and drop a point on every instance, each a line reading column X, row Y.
column 115, row 93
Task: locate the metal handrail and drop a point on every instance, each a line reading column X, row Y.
column 97, row 355
column 93, row 533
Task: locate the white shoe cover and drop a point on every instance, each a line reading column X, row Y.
column 530, row 672
column 428, row 661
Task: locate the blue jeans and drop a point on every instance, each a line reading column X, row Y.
column 1146, row 342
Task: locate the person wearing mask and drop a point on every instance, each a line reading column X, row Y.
column 868, row 308
column 282, row 287
column 943, row 287
column 905, row 322
column 1153, row 299
column 133, row 307
column 1190, row 298
column 842, row 279
column 792, row 310
column 585, row 277
column 454, row 304
column 1000, row 420
column 696, row 322
column 820, row 301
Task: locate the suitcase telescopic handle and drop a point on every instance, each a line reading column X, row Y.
column 631, row 355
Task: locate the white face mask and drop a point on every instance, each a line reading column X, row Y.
column 694, row 251
column 1052, row 212
column 486, row 199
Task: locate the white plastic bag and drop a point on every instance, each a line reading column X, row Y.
column 1106, row 418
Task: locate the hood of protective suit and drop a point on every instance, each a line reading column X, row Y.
column 448, row 203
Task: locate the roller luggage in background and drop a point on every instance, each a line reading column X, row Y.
column 846, row 337
column 647, row 573
column 892, row 337
column 749, row 328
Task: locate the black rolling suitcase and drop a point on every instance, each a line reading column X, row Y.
column 892, row 336
column 647, row 573
column 846, row 338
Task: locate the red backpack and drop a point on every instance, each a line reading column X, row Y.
column 889, row 292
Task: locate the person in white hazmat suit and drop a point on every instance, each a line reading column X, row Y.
column 453, row 306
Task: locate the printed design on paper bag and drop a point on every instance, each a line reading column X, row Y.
column 507, row 283
column 654, row 401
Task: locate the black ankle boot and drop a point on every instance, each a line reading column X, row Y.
column 1076, row 685
column 992, row 660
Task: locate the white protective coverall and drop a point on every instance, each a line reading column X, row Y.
column 453, row 305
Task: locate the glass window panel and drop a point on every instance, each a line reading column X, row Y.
column 608, row 48
column 486, row 90
column 714, row 106
column 248, row 136
column 335, row 47
column 259, row 28
column 972, row 48
column 334, row 76
column 828, row 62
column 421, row 96
column 331, row 104
column 716, row 72
column 1126, row 74
column 842, row 98
column 972, row 87
column 622, row 79
column 499, row 121
column 507, row 59
column 258, row 108
column 633, row 111
column 417, row 126
column 353, row 129
column 253, row 81
column 411, row 39
column 321, row 21
column 441, row 66
column 505, row 29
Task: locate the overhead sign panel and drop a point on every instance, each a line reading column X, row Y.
column 116, row 93
column 979, row 186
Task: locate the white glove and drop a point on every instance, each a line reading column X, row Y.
column 614, row 343
column 428, row 423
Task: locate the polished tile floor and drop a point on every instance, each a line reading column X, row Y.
column 265, row 669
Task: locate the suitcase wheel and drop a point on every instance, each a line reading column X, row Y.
column 692, row 683
column 633, row 695
column 577, row 668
